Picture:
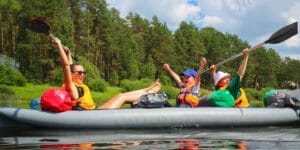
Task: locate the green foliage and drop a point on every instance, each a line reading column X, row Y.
column 10, row 76
column 90, row 69
column 160, row 43
column 165, row 80
column 98, row 85
column 10, row 6
column 7, row 96
column 57, row 78
column 100, row 98
column 148, row 70
column 30, row 91
column 256, row 96
column 4, row 89
column 289, row 71
column 32, row 49
column 204, row 92
column 266, row 75
column 134, row 70
column 21, row 96
column 130, row 85
column 188, row 45
column 253, row 95
column 126, row 48
column 114, row 79
column 171, row 92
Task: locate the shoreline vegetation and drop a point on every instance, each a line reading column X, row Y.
column 18, row 96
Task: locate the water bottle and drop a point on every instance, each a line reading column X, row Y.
column 35, row 104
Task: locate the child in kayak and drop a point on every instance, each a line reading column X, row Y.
column 189, row 86
column 74, row 76
column 224, row 83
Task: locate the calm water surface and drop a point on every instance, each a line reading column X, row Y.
column 283, row 137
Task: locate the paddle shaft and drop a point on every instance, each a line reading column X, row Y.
column 64, row 47
column 237, row 55
column 53, row 38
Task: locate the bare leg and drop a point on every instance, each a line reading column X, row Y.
column 129, row 97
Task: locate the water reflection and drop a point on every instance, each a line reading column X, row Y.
column 195, row 144
column 181, row 139
column 85, row 146
column 188, row 144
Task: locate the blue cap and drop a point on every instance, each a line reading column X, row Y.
column 189, row 72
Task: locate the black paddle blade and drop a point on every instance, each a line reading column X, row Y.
column 39, row 25
column 283, row 33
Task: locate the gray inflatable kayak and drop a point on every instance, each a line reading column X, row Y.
column 147, row 118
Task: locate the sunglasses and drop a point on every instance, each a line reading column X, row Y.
column 80, row 72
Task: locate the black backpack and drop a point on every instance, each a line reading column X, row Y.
column 285, row 98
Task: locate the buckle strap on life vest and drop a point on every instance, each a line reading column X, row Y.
column 189, row 93
column 185, row 92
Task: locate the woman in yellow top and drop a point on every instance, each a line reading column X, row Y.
column 74, row 76
column 223, row 81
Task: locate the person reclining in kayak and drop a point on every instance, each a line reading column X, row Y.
column 223, row 82
column 189, row 87
column 74, row 76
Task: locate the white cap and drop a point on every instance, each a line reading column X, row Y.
column 220, row 75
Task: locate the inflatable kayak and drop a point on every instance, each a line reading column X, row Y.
column 147, row 118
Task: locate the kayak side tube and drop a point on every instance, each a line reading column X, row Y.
column 150, row 118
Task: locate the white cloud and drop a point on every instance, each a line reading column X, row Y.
column 291, row 16
column 225, row 15
column 295, row 56
column 213, row 21
column 252, row 20
column 239, row 7
column 293, row 42
column 170, row 11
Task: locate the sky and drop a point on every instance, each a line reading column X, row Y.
column 253, row 21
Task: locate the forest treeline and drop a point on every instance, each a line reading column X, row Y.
column 127, row 48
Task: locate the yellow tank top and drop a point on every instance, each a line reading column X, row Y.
column 85, row 101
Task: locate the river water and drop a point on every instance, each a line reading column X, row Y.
column 279, row 137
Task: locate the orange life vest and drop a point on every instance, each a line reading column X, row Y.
column 186, row 97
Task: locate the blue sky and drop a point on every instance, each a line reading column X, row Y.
column 252, row 20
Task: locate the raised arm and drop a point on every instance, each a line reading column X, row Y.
column 174, row 75
column 200, row 70
column 68, row 53
column 212, row 71
column 65, row 64
column 242, row 68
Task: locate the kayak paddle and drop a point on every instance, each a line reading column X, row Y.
column 279, row 36
column 40, row 25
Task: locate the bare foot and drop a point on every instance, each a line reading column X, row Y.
column 155, row 87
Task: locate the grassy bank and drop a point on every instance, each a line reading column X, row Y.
column 21, row 96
